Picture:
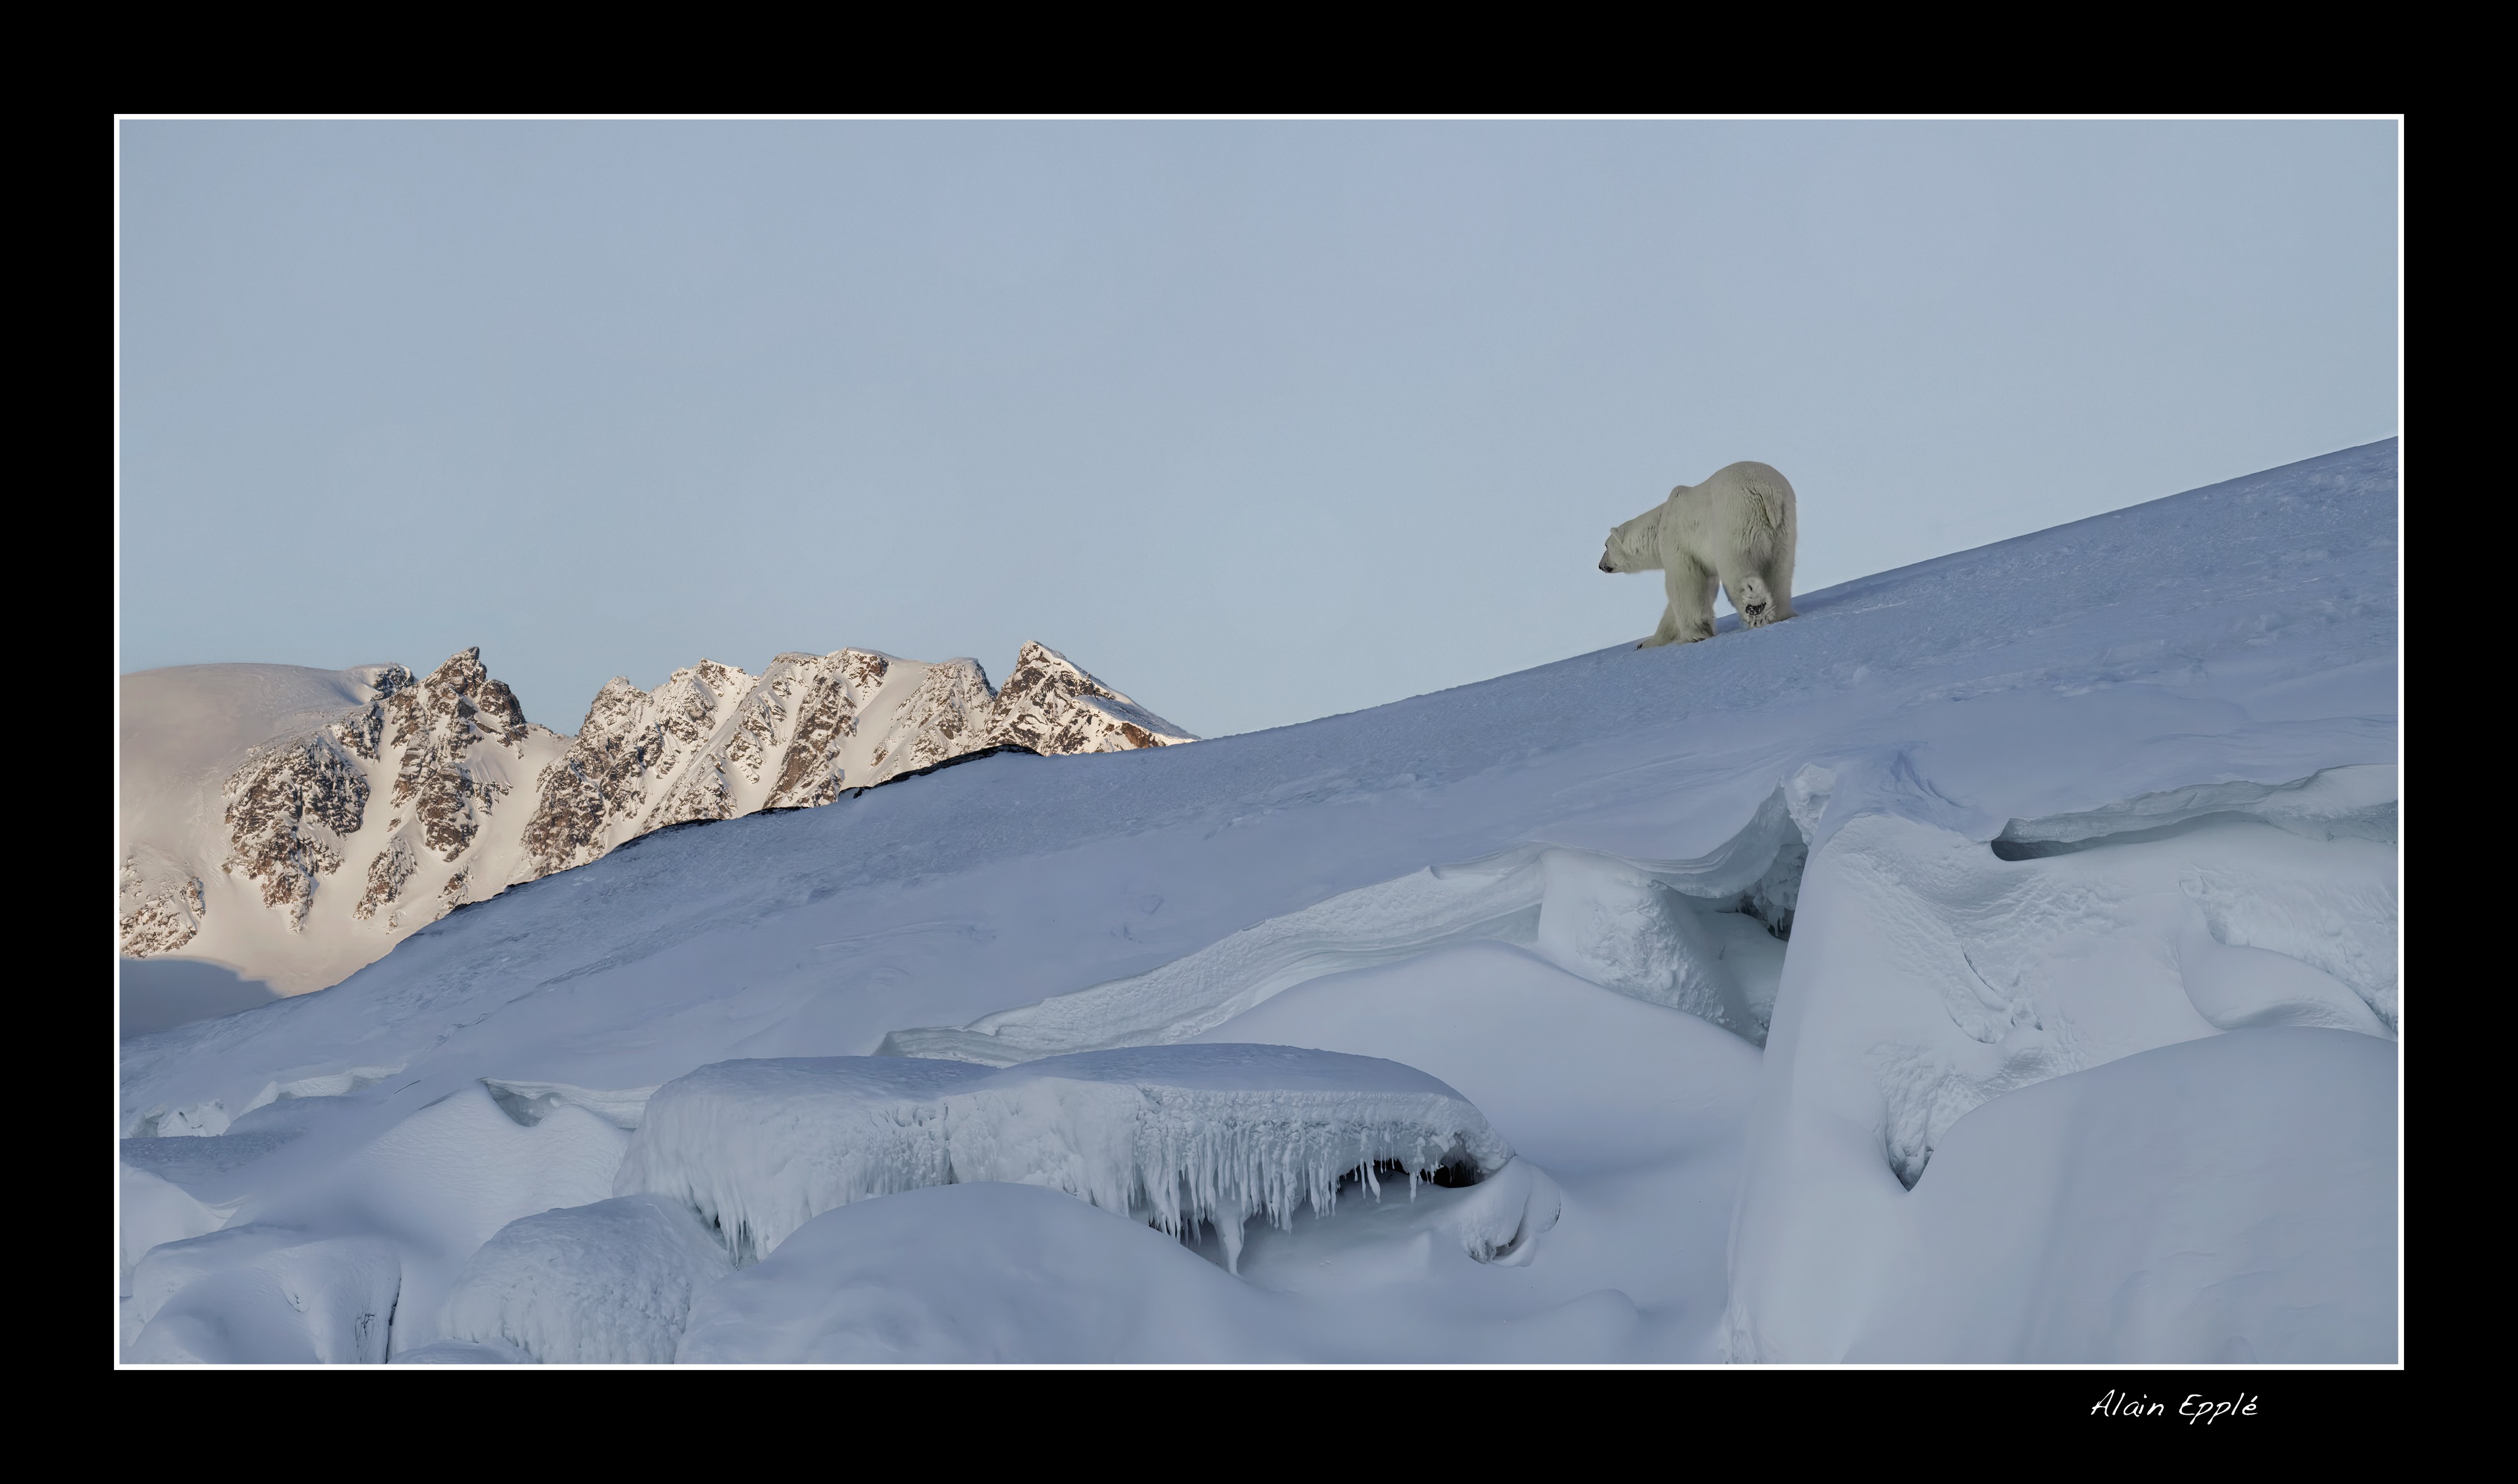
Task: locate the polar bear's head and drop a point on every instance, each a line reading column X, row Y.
column 1755, row 604
column 1635, row 545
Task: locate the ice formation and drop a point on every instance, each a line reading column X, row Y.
column 1180, row 1136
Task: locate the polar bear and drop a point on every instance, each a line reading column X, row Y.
column 1736, row 529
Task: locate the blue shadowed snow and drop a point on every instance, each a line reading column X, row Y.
column 160, row 993
column 1634, row 818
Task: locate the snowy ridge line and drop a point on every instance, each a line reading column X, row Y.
column 2356, row 803
column 1636, row 940
column 2258, row 928
column 715, row 741
column 1181, row 1137
column 211, row 1117
column 955, row 761
column 529, row 1103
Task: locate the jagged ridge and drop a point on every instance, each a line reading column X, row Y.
column 442, row 758
column 714, row 741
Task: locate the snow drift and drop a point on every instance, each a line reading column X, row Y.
column 1702, row 935
column 606, row 1283
column 1935, row 981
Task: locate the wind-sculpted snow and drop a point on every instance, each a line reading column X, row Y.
column 529, row 1103
column 2230, row 1199
column 262, row 1295
column 1955, row 841
column 1698, row 935
column 2336, row 803
column 1180, row 1136
column 427, row 1192
column 155, row 1211
column 996, row 1274
column 1931, row 977
column 609, row 1283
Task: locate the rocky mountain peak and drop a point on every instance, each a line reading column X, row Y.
column 299, row 807
column 461, row 692
column 715, row 742
column 1051, row 705
column 408, row 789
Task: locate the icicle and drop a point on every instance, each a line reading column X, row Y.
column 1179, row 1135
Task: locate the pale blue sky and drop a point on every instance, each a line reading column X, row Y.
column 1259, row 421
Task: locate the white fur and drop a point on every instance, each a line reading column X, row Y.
column 1736, row 529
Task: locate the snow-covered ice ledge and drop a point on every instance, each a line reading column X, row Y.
column 1182, row 1138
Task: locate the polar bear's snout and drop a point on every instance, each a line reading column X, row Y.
column 1604, row 563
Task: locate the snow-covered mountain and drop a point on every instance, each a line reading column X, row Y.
column 294, row 823
column 1996, row 963
column 715, row 742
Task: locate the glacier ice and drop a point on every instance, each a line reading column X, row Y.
column 1178, row 1136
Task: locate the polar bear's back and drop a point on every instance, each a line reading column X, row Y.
column 1761, row 488
column 1744, row 502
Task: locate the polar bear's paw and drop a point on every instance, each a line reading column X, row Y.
column 1756, row 605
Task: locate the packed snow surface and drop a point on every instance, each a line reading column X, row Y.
column 1995, row 962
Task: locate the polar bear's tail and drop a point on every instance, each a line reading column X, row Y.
column 1770, row 502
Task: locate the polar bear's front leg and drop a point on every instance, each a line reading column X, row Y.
column 1690, row 614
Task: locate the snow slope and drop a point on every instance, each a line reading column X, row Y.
column 1849, row 939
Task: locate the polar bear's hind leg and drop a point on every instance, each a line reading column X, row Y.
column 1764, row 593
